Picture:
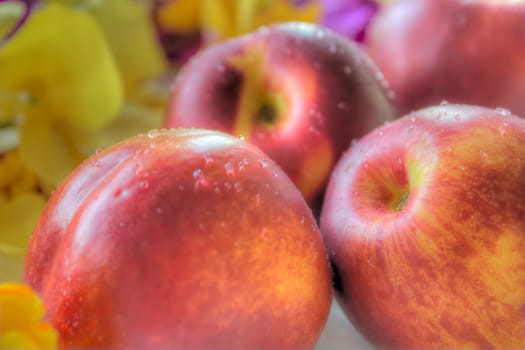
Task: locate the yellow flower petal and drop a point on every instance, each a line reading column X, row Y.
column 21, row 312
column 218, row 19
column 20, row 307
column 10, row 12
column 47, row 149
column 44, row 336
column 16, row 340
column 128, row 27
column 222, row 19
column 61, row 58
column 18, row 218
column 180, row 16
column 133, row 120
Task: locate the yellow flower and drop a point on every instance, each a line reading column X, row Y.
column 222, row 19
column 71, row 81
column 21, row 325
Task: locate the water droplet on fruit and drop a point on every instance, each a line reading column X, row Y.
column 257, row 199
column 200, row 180
column 98, row 150
column 348, row 70
column 153, row 133
column 159, row 210
column 365, row 165
column 341, row 106
column 152, row 145
column 237, row 186
column 227, row 185
column 242, row 164
column 503, row 129
column 197, row 173
column 139, row 169
column 208, row 159
column 263, row 163
column 229, row 169
column 443, row 103
column 144, row 184
column 484, row 156
column 98, row 163
column 413, row 119
column 242, row 138
column 503, row 111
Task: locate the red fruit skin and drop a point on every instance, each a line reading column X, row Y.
column 183, row 239
column 461, row 51
column 332, row 93
column 444, row 267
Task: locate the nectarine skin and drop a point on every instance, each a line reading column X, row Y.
column 424, row 223
column 297, row 91
column 181, row 239
column 468, row 52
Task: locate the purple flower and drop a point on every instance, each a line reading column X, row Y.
column 28, row 4
column 349, row 18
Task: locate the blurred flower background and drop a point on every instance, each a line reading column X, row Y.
column 80, row 75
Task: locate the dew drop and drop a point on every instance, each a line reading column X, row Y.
column 153, row 133
column 484, row 156
column 263, row 163
column 503, row 111
column 229, row 169
column 503, row 129
column 413, row 119
column 443, row 103
column 208, row 159
column 144, row 184
column 319, row 34
column 347, row 70
column 139, row 169
column 365, row 165
column 242, row 164
column 237, row 186
column 98, row 163
column 197, row 173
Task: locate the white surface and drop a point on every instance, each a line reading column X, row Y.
column 339, row 333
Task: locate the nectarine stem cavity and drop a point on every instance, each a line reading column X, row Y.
column 266, row 113
column 401, row 201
